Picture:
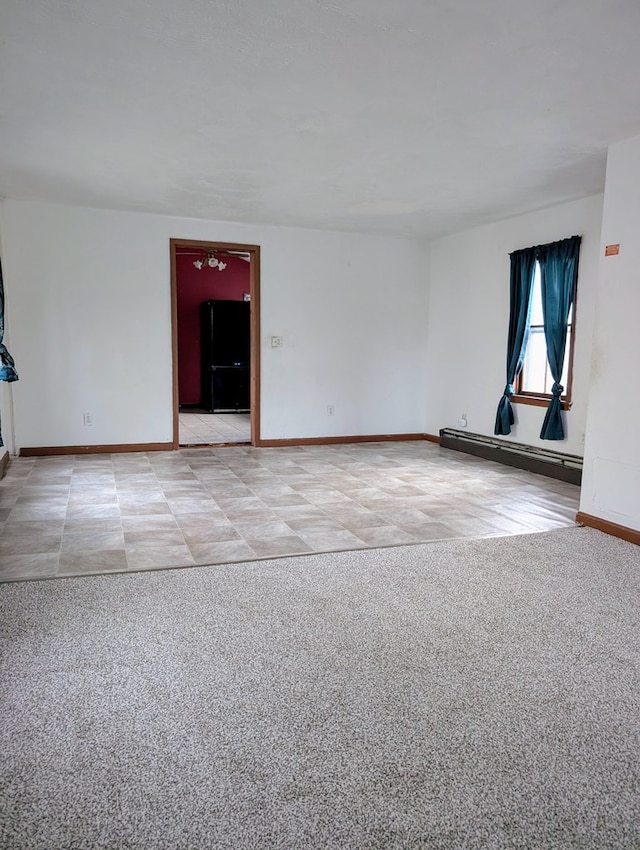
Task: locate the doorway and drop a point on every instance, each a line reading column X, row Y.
column 215, row 325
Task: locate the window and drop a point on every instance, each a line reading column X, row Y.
column 557, row 264
column 534, row 383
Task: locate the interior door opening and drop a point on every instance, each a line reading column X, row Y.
column 215, row 332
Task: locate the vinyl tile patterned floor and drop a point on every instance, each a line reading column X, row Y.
column 203, row 428
column 76, row 515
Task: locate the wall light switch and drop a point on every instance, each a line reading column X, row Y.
column 276, row 342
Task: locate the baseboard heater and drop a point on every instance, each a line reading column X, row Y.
column 565, row 467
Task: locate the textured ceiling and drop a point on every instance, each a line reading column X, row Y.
column 401, row 116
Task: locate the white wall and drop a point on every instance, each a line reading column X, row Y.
column 611, row 480
column 6, row 418
column 469, row 317
column 89, row 322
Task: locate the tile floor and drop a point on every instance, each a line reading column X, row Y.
column 75, row 515
column 205, row 428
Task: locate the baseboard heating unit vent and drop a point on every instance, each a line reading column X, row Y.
column 543, row 461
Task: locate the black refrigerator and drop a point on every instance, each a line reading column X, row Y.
column 225, row 344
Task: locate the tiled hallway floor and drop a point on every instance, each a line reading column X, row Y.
column 205, row 428
column 74, row 515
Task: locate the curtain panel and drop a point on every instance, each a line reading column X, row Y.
column 520, row 288
column 558, row 279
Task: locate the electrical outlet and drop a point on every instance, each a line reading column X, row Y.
column 330, row 410
column 276, row 342
column 87, row 418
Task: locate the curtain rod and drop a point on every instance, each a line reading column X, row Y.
column 546, row 244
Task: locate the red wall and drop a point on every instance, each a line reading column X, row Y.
column 193, row 287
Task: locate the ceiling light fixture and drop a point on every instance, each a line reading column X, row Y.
column 210, row 261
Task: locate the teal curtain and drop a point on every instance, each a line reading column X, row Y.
column 521, row 285
column 7, row 366
column 558, row 277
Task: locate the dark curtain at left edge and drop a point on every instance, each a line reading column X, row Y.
column 7, row 366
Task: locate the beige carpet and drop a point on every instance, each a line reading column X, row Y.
column 462, row 694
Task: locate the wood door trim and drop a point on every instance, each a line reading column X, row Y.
column 254, row 290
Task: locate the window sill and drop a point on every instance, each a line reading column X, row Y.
column 537, row 400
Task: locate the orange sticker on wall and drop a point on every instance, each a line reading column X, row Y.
column 611, row 250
